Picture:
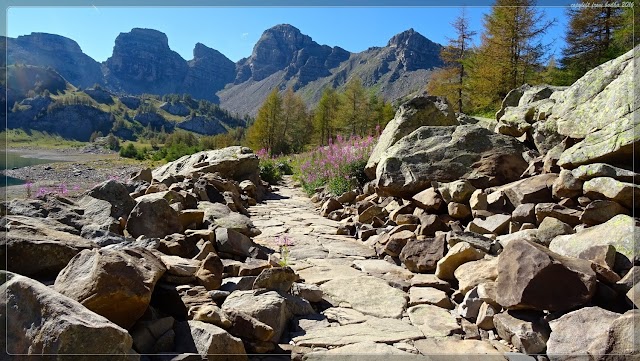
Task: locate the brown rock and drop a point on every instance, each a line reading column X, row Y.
column 42, row 322
column 627, row 194
column 397, row 242
column 485, row 316
column 211, row 314
column 458, row 191
column 550, row 228
column 428, row 200
column 532, row 277
column 566, row 186
column 153, row 218
column 276, row 279
column 329, row 206
column 430, row 224
column 429, row 296
column 526, row 330
column 564, row 214
column 191, row 218
column 474, row 273
column 497, row 224
column 458, row 210
column 536, row 189
column 524, row 213
column 600, row 211
column 457, row 255
column 368, row 214
column 406, row 219
column 114, row 284
column 210, row 272
column 422, row 255
column 248, row 327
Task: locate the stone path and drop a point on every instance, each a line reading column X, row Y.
column 368, row 297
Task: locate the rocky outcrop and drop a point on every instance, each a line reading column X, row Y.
column 237, row 163
column 142, row 62
column 445, row 154
column 202, row 125
column 419, row 111
column 209, row 71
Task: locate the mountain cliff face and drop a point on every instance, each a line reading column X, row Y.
column 142, row 62
column 209, row 71
column 401, row 68
column 58, row 52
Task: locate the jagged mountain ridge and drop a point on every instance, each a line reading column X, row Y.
column 142, row 62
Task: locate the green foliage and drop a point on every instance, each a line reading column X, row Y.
column 130, row 151
column 269, row 171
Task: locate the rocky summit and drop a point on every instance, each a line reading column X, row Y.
column 470, row 240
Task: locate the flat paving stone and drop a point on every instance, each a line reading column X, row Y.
column 380, row 330
column 369, row 295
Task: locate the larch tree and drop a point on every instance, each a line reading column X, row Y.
column 590, row 37
column 326, row 116
column 265, row 132
column 450, row 81
column 352, row 111
column 296, row 127
column 510, row 52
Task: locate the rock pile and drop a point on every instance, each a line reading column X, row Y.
column 529, row 225
column 163, row 263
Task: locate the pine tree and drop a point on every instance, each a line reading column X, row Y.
column 590, row 37
column 450, row 81
column 326, row 115
column 510, row 52
column 264, row 133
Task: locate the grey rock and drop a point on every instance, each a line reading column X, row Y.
column 445, row 154
column 43, row 321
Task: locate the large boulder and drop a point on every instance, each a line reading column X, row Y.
column 446, row 154
column 417, row 112
column 620, row 231
column 41, row 321
column 153, row 218
column 578, row 332
column 117, row 195
column 37, row 247
column 267, row 307
column 238, row 163
column 220, row 215
column 115, row 284
column 598, row 99
column 600, row 108
column 206, row 339
column 369, row 295
column 532, row 277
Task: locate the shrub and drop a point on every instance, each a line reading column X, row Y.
column 269, row 171
column 339, row 166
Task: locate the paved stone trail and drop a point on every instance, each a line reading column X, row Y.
column 365, row 306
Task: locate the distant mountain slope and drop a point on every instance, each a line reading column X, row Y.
column 143, row 62
column 58, row 52
column 394, row 71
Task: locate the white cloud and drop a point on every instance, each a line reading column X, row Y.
column 244, row 35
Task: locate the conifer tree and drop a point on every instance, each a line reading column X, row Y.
column 326, row 115
column 450, row 81
column 510, row 51
column 296, row 127
column 264, row 133
column 590, row 37
column 352, row 112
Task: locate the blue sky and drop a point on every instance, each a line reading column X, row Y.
column 234, row 31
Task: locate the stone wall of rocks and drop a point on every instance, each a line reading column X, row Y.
column 148, row 266
column 544, row 260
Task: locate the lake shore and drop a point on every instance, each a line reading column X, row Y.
column 75, row 170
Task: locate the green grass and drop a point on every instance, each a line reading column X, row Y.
column 20, row 138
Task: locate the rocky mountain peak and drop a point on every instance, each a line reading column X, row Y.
column 150, row 37
column 415, row 51
column 49, row 42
